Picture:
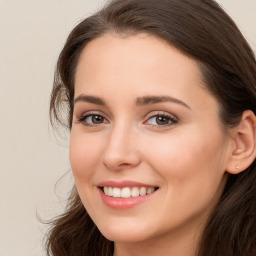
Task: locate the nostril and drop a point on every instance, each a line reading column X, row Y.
column 124, row 164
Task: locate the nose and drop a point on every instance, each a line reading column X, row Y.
column 121, row 149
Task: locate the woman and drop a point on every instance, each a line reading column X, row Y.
column 162, row 100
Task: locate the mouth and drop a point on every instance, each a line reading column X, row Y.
column 125, row 194
column 128, row 192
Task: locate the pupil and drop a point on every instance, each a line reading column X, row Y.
column 162, row 120
column 97, row 119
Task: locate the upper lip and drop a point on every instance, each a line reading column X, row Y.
column 123, row 184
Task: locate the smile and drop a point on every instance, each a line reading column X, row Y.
column 128, row 192
column 125, row 194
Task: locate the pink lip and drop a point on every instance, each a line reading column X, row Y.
column 123, row 203
column 123, row 184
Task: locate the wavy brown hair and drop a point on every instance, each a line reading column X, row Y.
column 202, row 30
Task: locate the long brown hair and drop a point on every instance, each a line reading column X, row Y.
column 202, row 30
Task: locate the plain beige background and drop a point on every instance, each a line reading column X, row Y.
column 32, row 157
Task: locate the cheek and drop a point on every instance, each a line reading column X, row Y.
column 192, row 170
column 188, row 157
column 83, row 154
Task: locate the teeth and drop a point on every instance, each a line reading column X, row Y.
column 135, row 192
column 110, row 191
column 127, row 192
column 150, row 190
column 105, row 189
column 143, row 191
column 116, row 192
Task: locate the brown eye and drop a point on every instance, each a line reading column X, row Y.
column 161, row 120
column 91, row 120
column 96, row 119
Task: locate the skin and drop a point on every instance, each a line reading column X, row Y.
column 186, row 158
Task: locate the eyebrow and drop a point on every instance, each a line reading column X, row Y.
column 90, row 99
column 147, row 100
column 141, row 101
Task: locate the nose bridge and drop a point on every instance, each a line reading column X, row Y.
column 121, row 149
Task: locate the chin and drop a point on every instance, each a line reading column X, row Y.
column 125, row 233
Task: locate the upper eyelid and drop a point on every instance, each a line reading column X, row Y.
column 159, row 113
column 93, row 112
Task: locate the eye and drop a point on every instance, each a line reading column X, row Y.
column 161, row 120
column 92, row 119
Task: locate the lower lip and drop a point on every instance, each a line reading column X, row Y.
column 124, row 203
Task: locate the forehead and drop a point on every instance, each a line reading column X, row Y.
column 137, row 65
column 140, row 49
column 132, row 55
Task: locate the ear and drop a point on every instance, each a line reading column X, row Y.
column 243, row 150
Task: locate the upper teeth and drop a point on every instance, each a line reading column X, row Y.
column 127, row 192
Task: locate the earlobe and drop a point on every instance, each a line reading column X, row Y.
column 244, row 150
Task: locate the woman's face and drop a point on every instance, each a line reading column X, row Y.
column 147, row 132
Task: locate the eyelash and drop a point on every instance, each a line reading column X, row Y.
column 84, row 117
column 170, row 118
